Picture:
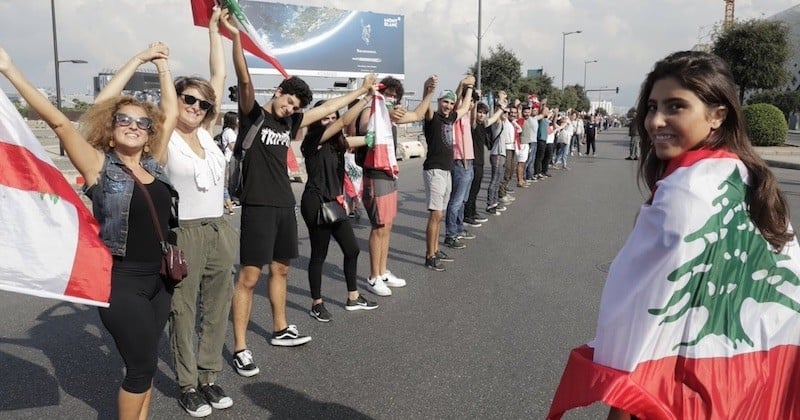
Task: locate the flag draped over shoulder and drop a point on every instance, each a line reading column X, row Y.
column 381, row 154
column 699, row 317
column 49, row 241
column 251, row 40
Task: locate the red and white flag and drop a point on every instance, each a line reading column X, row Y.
column 49, row 241
column 699, row 318
column 251, row 40
column 381, row 153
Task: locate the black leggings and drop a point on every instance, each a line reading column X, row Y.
column 590, row 145
column 320, row 238
column 138, row 311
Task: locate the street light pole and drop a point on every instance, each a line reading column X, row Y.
column 478, row 66
column 584, row 72
column 563, row 51
column 57, row 67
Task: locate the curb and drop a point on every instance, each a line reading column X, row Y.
column 782, row 164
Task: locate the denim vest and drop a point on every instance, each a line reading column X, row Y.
column 111, row 200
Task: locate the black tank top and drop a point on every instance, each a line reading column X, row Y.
column 142, row 244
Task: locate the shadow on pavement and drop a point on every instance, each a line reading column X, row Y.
column 285, row 403
column 83, row 357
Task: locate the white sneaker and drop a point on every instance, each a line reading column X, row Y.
column 391, row 280
column 376, row 286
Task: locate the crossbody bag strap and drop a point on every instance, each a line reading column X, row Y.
column 153, row 214
column 247, row 142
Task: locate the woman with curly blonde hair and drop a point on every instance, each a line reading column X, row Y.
column 114, row 154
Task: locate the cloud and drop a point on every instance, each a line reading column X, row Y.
column 625, row 36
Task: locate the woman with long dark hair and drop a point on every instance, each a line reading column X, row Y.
column 323, row 149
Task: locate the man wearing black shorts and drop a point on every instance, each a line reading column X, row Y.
column 268, row 223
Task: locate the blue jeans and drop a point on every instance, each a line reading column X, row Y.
column 529, row 164
column 498, row 163
column 563, row 152
column 462, row 180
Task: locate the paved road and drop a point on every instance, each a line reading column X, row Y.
column 488, row 338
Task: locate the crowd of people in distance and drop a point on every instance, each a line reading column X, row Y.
column 145, row 163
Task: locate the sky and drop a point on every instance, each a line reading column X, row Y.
column 626, row 37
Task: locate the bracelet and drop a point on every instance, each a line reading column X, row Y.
column 469, row 87
column 163, row 71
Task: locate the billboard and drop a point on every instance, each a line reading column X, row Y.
column 327, row 42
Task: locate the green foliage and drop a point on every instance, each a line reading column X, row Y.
column 787, row 102
column 766, row 125
column 756, row 51
column 630, row 113
column 501, row 71
column 22, row 109
column 601, row 111
column 79, row 105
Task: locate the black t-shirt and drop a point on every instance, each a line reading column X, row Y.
column 143, row 244
column 324, row 165
column 480, row 140
column 265, row 174
column 439, row 135
column 591, row 130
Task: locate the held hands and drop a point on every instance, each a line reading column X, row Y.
column 430, row 84
column 228, row 22
column 213, row 24
column 468, row 81
column 370, row 82
column 157, row 52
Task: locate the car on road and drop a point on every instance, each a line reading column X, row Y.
column 410, row 148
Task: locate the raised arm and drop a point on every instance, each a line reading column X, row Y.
column 348, row 117
column 124, row 74
column 169, row 106
column 216, row 59
column 86, row 159
column 467, row 85
column 332, row 105
column 419, row 112
column 247, row 96
column 499, row 110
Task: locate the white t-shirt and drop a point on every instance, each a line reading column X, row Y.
column 228, row 140
column 200, row 182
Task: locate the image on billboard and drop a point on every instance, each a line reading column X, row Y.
column 327, row 42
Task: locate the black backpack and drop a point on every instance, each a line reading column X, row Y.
column 218, row 140
column 243, row 143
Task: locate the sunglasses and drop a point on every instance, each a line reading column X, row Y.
column 124, row 120
column 190, row 100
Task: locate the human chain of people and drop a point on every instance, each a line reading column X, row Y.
column 157, row 171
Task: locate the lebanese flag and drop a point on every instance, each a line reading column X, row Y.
column 381, row 154
column 699, row 318
column 50, row 244
column 251, row 40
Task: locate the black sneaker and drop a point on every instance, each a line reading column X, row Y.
column 243, row 363
column 472, row 222
column 319, row 313
column 441, row 256
column 359, row 304
column 288, row 337
column 434, row 264
column 480, row 219
column 465, row 235
column 194, row 404
column 493, row 211
column 215, row 396
column 454, row 243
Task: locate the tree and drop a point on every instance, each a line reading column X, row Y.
column 79, row 105
column 740, row 266
column 601, row 111
column 542, row 85
column 501, row 71
column 756, row 51
column 787, row 102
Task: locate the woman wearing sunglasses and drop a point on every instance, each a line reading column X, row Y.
column 120, row 136
column 196, row 167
